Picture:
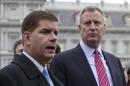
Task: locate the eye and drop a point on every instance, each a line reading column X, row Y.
column 87, row 23
column 97, row 23
column 46, row 31
column 56, row 32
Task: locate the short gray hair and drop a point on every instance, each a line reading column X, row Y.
column 91, row 9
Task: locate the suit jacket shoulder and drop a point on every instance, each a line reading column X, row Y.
column 72, row 68
column 115, row 68
column 21, row 72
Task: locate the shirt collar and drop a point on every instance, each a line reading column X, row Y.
column 36, row 63
column 89, row 51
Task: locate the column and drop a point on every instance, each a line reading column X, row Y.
column 120, row 50
column 21, row 11
column 2, row 40
column 6, row 41
column 108, row 46
column 1, row 11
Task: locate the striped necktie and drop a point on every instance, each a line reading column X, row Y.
column 101, row 72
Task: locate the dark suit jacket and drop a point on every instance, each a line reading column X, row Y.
column 73, row 69
column 22, row 72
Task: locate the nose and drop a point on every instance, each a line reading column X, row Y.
column 53, row 37
column 92, row 26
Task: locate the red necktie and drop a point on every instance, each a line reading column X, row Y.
column 102, row 75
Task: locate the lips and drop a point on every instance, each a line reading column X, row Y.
column 50, row 47
column 92, row 35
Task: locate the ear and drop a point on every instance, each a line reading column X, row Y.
column 79, row 27
column 27, row 38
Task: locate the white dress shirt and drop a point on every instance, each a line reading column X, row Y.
column 90, row 57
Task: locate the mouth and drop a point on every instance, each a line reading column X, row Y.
column 50, row 47
column 93, row 35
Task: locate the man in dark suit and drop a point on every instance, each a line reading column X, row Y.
column 39, row 33
column 79, row 66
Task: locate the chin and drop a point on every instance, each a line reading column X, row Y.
column 93, row 43
column 50, row 56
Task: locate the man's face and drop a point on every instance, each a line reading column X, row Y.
column 92, row 28
column 19, row 48
column 42, row 41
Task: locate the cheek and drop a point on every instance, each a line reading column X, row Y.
column 44, row 41
column 39, row 38
column 83, row 30
column 102, row 31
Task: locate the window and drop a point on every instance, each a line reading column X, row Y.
column 107, row 20
column 126, row 47
column 127, row 20
column 11, row 11
column 77, row 18
column 12, row 38
column 114, row 46
column 31, row 7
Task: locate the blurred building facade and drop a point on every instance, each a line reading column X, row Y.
column 117, row 18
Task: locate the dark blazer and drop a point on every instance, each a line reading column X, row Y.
column 73, row 69
column 22, row 72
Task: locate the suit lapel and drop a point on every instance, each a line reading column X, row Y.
column 41, row 81
column 56, row 82
column 30, row 70
column 111, row 65
column 80, row 58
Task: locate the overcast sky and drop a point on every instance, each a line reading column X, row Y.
column 107, row 1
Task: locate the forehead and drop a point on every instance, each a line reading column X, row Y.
column 48, row 24
column 92, row 15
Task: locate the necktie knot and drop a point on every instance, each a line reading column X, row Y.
column 96, row 52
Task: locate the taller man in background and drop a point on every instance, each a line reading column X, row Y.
column 39, row 33
column 87, row 64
